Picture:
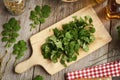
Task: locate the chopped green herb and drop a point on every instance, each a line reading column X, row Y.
column 19, row 49
column 65, row 43
column 38, row 15
column 10, row 32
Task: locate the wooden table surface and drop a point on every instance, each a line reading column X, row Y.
column 60, row 10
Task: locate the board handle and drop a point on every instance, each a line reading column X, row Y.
column 25, row 65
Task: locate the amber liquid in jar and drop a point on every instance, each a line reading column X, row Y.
column 113, row 9
column 100, row 1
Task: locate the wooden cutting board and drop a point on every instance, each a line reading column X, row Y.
column 101, row 35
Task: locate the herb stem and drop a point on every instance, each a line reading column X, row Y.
column 1, row 60
column 15, row 62
column 6, row 64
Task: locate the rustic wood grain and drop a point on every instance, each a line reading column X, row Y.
column 38, row 39
column 115, row 43
column 60, row 10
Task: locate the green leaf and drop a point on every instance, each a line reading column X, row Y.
column 62, row 60
column 19, row 55
column 12, row 40
column 118, row 30
column 15, row 35
column 82, row 21
column 53, row 38
column 65, row 41
column 92, row 29
column 41, row 20
column 74, row 33
column 45, row 11
column 57, row 32
column 85, row 39
column 5, row 33
column 90, row 20
column 4, row 39
column 59, row 45
column 118, row 27
column 68, row 35
column 15, row 52
column 72, row 58
column 37, row 9
column 23, row 49
column 19, row 49
column 85, row 47
column 16, row 47
column 71, row 48
column 46, row 50
column 36, row 22
column 76, row 48
column 39, row 14
column 32, row 14
column 17, row 27
column 22, row 43
column 84, row 32
column 54, row 56
column 12, row 22
column 38, row 78
column 32, row 25
column 7, row 26
column 10, row 32
column 92, row 38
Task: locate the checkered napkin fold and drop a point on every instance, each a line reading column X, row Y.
column 111, row 69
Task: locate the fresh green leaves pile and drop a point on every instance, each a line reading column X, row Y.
column 38, row 78
column 65, row 43
column 39, row 14
column 19, row 49
column 10, row 32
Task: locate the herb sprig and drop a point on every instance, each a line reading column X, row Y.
column 10, row 32
column 19, row 49
column 39, row 14
column 38, row 78
column 65, row 43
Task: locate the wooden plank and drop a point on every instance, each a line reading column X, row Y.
column 24, row 34
column 3, row 18
column 114, row 43
column 60, row 10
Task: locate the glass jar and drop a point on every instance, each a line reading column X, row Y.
column 100, row 1
column 15, row 7
column 113, row 9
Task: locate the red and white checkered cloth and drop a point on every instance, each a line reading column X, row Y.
column 111, row 69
